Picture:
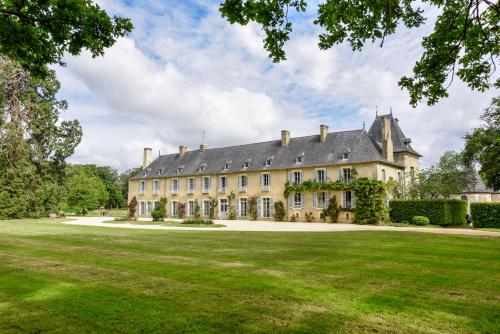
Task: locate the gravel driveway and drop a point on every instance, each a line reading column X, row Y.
column 266, row 226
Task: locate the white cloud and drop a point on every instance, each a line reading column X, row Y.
column 185, row 70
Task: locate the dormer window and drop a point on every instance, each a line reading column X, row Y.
column 180, row 169
column 300, row 158
column 202, row 167
column 227, row 165
column 345, row 154
column 269, row 161
column 160, row 171
column 147, row 171
column 247, row 162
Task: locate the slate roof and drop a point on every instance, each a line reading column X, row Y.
column 360, row 145
column 400, row 141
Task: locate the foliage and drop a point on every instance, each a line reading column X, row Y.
column 309, row 216
column 485, row 214
column 197, row 214
column 449, row 176
column 465, row 40
column 252, row 204
column 160, row 211
column 85, row 192
column 231, row 206
column 37, row 33
column 483, row 146
column 181, row 210
column 123, row 180
column 440, row 212
column 198, row 221
column 213, row 208
column 420, row 220
column 279, row 211
column 34, row 143
column 370, row 196
column 132, row 208
column 332, row 210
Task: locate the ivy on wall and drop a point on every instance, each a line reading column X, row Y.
column 253, row 207
column 231, row 206
column 370, row 196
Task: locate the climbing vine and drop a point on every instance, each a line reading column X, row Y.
column 213, row 207
column 370, row 196
column 253, row 207
column 197, row 213
column 231, row 207
column 279, row 211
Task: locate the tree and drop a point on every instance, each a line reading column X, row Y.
column 483, row 146
column 125, row 177
column 160, row 211
column 132, row 208
column 332, row 210
column 465, row 40
column 85, row 192
column 34, row 143
column 449, row 176
column 37, row 33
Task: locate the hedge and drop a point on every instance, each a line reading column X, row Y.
column 485, row 214
column 420, row 220
column 439, row 211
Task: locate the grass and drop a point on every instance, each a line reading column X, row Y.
column 491, row 229
column 162, row 223
column 95, row 213
column 57, row 278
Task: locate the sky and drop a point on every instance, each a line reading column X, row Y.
column 185, row 71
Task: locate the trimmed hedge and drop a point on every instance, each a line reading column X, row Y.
column 420, row 220
column 485, row 214
column 441, row 212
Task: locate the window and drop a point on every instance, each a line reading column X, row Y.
column 246, row 164
column 267, row 210
column 297, row 200
column 142, row 208
column 300, row 158
column 243, row 207
column 227, row 165
column 156, row 187
column 320, row 175
column 265, row 181
column 174, row 186
column 296, row 177
column 223, row 208
column 345, row 155
column 180, row 169
column 142, row 187
column 269, row 161
column 347, row 199
column 320, row 199
column 205, row 184
column 149, row 208
column 346, row 175
column 205, row 208
column 383, row 174
column 175, row 206
column 160, row 171
column 202, row 167
column 242, row 182
column 190, row 183
column 399, row 176
column 190, row 208
column 222, row 183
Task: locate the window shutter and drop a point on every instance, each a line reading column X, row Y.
column 187, row 184
column 269, row 179
column 259, row 207
column 261, row 180
column 326, row 176
column 315, row 200
column 238, row 208
column 194, row 184
column 301, row 177
column 239, row 181
column 272, row 206
column 327, row 199
column 290, row 200
column 290, row 177
column 209, row 183
column 302, row 200
column 340, row 174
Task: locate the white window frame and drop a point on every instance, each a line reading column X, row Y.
column 298, row 204
column 142, row 208
column 205, row 207
column 345, row 203
column 175, row 208
column 174, row 186
column 345, row 171
column 190, row 208
column 297, row 177
column 226, row 201
column 242, row 186
column 142, row 187
column 268, row 162
column 246, row 211
column 190, row 185
column 222, row 189
column 267, row 212
column 321, row 199
column 156, row 187
column 205, row 187
column 265, row 185
column 317, row 172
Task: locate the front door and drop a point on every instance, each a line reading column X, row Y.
column 223, row 208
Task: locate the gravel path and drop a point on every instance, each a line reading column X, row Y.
column 266, row 226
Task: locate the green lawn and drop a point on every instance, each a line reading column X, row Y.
column 58, row 278
column 162, row 223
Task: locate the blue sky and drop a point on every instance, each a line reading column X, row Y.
column 184, row 70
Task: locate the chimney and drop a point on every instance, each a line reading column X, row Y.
column 203, row 147
column 146, row 158
column 323, row 132
column 387, row 146
column 182, row 150
column 285, row 138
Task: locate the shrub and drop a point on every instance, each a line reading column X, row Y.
column 331, row 211
column 309, row 217
column 199, row 221
column 279, row 211
column 441, row 212
column 132, row 208
column 485, row 214
column 160, row 210
column 420, row 220
column 253, row 207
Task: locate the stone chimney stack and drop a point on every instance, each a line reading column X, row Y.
column 387, row 146
column 285, row 138
column 146, row 158
column 323, row 133
column 182, row 151
column 203, row 147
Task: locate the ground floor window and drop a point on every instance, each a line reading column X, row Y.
column 223, row 208
column 142, row 208
column 243, row 207
column 149, row 208
column 320, row 199
column 190, row 208
column 267, row 207
column 347, row 201
column 205, row 210
column 174, row 210
column 298, row 199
